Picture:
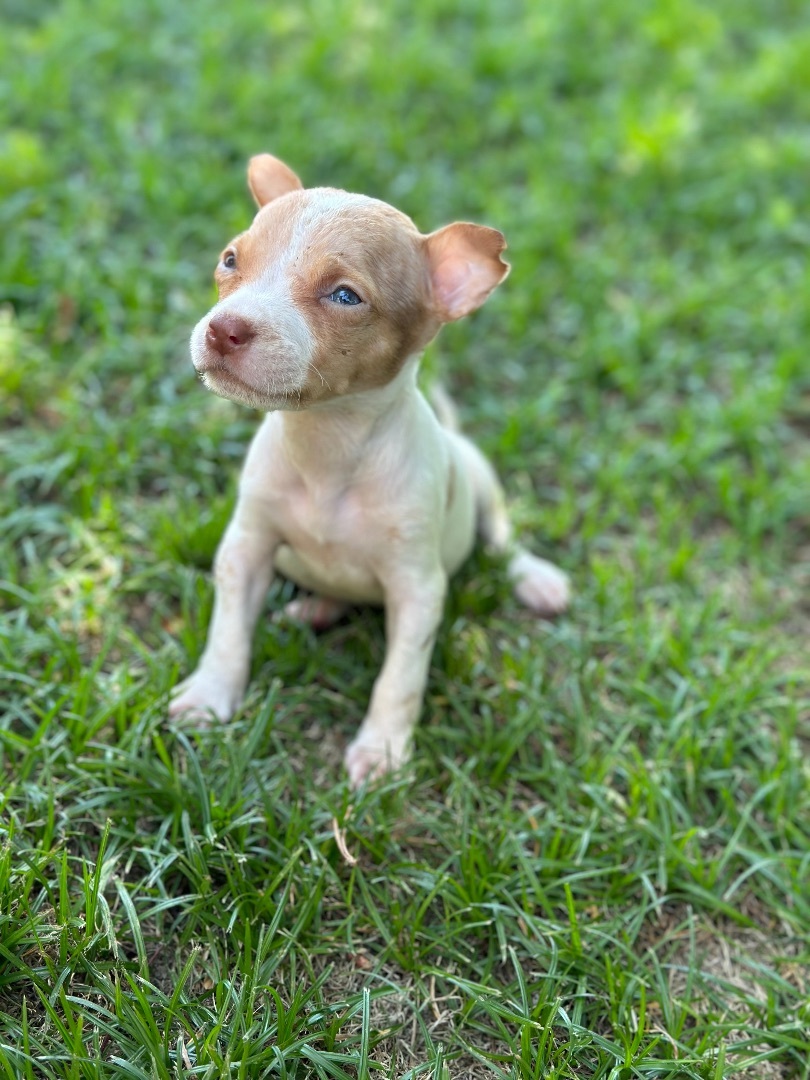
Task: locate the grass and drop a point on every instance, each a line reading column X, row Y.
column 599, row 865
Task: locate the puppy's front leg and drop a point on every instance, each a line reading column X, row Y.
column 413, row 610
column 243, row 569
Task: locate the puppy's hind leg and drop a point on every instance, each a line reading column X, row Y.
column 539, row 585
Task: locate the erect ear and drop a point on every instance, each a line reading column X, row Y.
column 268, row 178
column 465, row 266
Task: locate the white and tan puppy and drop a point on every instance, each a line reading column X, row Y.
column 351, row 488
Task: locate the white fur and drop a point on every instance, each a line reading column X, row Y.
column 364, row 497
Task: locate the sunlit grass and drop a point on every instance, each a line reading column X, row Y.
column 598, row 864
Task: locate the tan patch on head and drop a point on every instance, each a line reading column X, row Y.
column 259, row 248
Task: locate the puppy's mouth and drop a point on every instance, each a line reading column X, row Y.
column 207, row 361
column 217, row 373
column 220, row 380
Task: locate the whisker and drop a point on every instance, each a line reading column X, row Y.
column 320, row 376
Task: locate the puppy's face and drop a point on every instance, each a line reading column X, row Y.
column 328, row 293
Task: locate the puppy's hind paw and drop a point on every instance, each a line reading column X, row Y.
column 319, row 612
column 539, row 585
column 204, row 698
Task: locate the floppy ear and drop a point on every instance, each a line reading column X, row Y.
column 268, row 178
column 465, row 265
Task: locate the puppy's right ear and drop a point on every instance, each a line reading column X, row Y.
column 268, row 178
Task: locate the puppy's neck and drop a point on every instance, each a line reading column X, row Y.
column 337, row 436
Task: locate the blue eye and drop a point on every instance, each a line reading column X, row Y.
column 344, row 295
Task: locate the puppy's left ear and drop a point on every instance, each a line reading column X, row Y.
column 465, row 266
column 268, row 178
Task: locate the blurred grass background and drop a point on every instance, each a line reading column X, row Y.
column 601, row 868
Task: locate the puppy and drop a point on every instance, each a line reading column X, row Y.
column 351, row 487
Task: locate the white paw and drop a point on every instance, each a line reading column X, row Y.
column 205, row 697
column 372, row 754
column 539, row 584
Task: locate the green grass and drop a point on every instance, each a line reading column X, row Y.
column 599, row 865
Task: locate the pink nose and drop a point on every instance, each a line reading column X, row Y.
column 226, row 333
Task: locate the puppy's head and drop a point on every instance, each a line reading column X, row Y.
column 329, row 293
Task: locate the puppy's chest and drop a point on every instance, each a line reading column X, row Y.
column 329, row 546
column 326, row 523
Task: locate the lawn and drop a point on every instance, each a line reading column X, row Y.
column 598, row 864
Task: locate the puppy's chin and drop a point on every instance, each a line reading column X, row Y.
column 225, row 384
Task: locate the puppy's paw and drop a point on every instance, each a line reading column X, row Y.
column 539, row 585
column 319, row 612
column 372, row 754
column 203, row 697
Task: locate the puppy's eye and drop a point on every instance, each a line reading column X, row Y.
column 345, row 295
column 229, row 260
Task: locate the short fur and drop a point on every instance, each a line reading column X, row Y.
column 351, row 487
